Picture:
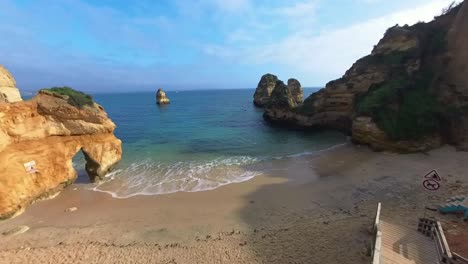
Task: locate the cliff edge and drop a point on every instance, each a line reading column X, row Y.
column 410, row 94
column 40, row 137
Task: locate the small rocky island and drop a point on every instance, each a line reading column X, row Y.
column 161, row 97
column 409, row 95
column 40, row 137
column 270, row 88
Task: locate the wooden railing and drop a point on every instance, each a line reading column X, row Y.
column 433, row 229
column 376, row 253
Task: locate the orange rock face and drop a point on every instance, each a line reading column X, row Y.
column 39, row 138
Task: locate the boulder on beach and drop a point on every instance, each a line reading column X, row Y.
column 161, row 97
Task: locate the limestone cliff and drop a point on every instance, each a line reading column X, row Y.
column 39, row 138
column 409, row 94
column 161, row 97
column 295, row 88
column 8, row 91
column 264, row 89
column 282, row 100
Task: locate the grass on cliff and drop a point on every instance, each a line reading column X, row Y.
column 76, row 98
column 404, row 109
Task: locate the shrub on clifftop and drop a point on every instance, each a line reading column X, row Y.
column 76, row 98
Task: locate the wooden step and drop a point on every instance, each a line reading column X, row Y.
column 407, row 243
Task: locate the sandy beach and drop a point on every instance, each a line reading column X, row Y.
column 307, row 209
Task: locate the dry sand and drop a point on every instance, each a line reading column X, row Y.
column 310, row 209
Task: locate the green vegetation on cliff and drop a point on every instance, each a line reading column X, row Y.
column 76, row 98
column 403, row 108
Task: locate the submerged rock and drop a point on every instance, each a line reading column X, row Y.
column 8, row 91
column 161, row 97
column 264, row 89
column 40, row 137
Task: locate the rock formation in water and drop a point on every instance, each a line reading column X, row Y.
column 282, row 100
column 8, row 91
column 39, row 138
column 295, row 88
column 161, row 97
column 410, row 94
column 264, row 89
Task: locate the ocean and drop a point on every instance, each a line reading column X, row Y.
column 202, row 140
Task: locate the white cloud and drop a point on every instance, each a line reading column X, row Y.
column 327, row 55
column 298, row 9
column 232, row 6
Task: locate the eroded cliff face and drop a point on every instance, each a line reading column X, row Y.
column 264, row 89
column 452, row 88
column 8, row 91
column 295, row 88
column 409, row 94
column 49, row 131
column 283, row 98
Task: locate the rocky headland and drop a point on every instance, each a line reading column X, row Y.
column 410, row 94
column 161, row 97
column 40, row 137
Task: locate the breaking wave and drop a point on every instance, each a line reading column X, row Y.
column 150, row 177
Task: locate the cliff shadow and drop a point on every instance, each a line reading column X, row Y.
column 79, row 164
column 313, row 215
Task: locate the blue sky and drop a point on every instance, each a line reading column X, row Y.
column 120, row 45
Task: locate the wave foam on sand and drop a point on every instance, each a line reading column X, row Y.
column 149, row 177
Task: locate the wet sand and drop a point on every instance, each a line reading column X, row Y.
column 309, row 209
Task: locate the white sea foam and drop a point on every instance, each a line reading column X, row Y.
column 308, row 153
column 150, row 177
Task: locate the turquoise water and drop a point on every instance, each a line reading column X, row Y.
column 202, row 140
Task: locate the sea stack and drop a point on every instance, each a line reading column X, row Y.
column 161, row 97
column 40, row 137
column 283, row 99
column 295, row 88
column 264, row 89
column 8, row 91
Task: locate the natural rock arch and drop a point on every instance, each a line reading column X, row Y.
column 48, row 132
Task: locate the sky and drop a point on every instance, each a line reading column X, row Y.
column 121, row 45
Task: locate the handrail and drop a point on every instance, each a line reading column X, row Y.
column 459, row 259
column 377, row 217
column 377, row 248
column 440, row 232
column 378, row 237
column 433, row 229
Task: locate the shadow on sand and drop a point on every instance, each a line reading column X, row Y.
column 318, row 215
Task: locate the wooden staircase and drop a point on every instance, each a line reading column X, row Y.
column 402, row 245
